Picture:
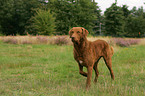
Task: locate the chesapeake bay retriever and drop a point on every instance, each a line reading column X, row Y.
column 88, row 53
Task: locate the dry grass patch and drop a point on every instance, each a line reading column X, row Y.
column 142, row 42
column 58, row 40
column 65, row 40
column 99, row 37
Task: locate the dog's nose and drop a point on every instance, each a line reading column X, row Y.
column 72, row 37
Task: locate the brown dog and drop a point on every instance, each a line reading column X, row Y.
column 88, row 53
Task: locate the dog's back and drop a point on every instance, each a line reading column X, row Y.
column 102, row 48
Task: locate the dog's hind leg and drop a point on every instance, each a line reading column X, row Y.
column 96, row 70
column 108, row 62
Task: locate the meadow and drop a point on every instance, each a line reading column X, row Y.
column 49, row 69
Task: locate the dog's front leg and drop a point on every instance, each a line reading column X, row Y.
column 81, row 71
column 89, row 68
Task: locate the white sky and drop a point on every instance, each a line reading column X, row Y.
column 131, row 3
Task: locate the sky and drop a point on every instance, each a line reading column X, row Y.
column 131, row 3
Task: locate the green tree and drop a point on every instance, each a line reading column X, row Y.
column 134, row 26
column 43, row 23
column 114, row 21
column 99, row 22
column 6, row 14
column 137, row 12
column 70, row 13
column 125, row 10
column 135, row 23
column 14, row 15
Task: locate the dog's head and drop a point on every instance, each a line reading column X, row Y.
column 77, row 34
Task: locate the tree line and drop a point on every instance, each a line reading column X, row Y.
column 119, row 21
column 48, row 17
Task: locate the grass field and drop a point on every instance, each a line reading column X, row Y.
column 50, row 70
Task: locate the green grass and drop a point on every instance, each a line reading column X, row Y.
column 50, row 70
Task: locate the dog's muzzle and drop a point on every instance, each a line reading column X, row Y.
column 73, row 39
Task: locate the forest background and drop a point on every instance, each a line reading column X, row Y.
column 56, row 17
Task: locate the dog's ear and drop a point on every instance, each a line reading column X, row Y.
column 85, row 31
column 70, row 32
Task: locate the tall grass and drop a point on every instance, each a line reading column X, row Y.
column 50, row 70
column 65, row 40
column 124, row 42
column 58, row 40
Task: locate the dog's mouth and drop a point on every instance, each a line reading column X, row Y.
column 75, row 41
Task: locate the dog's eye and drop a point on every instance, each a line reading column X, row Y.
column 72, row 32
column 78, row 32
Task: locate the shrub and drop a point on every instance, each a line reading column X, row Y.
column 10, row 41
column 43, row 23
column 134, row 41
column 123, row 42
column 61, row 40
column 42, row 39
column 58, row 40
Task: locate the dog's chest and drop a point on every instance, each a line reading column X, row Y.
column 81, row 61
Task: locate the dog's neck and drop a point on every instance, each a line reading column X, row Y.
column 81, row 46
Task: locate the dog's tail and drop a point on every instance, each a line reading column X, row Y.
column 112, row 50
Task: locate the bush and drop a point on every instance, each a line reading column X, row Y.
column 124, row 42
column 10, row 41
column 43, row 23
column 61, row 40
column 54, row 40
column 42, row 39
